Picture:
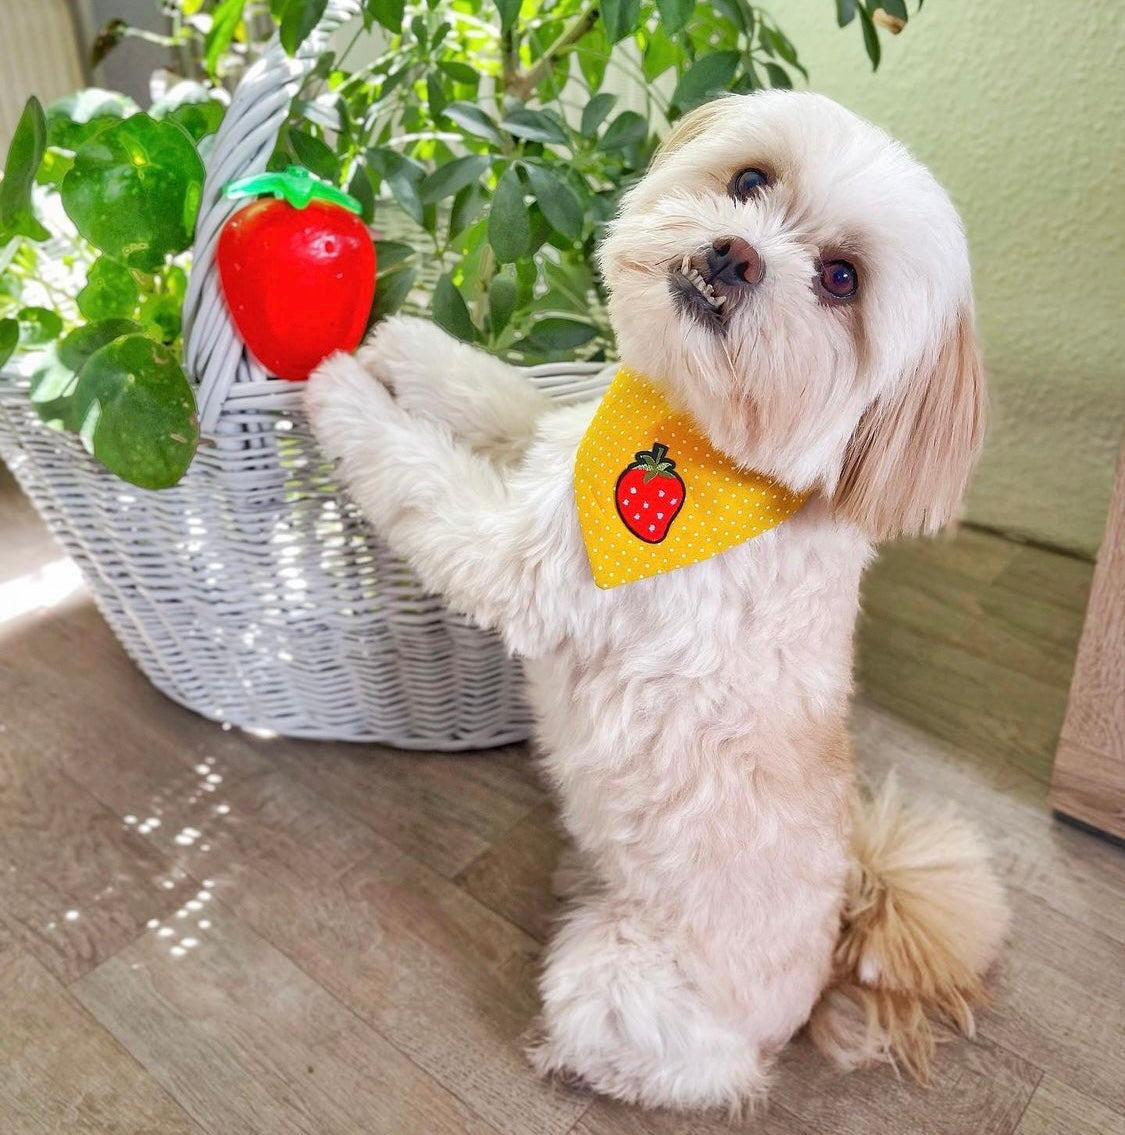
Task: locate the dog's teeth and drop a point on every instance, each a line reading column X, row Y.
column 719, row 300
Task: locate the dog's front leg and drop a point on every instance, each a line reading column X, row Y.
column 488, row 404
column 450, row 512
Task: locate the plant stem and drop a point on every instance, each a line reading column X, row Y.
column 522, row 84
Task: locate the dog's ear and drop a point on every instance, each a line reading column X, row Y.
column 688, row 128
column 909, row 460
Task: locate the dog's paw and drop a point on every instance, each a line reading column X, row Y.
column 408, row 356
column 345, row 406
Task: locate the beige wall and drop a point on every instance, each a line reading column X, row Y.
column 38, row 54
column 1019, row 107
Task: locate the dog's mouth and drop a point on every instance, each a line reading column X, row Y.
column 699, row 293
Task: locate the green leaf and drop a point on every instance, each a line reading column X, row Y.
column 674, row 14
column 76, row 349
column 189, row 104
column 163, row 315
column 9, row 337
column 661, row 52
column 558, row 201
column 534, row 125
column 709, row 76
column 314, row 154
column 55, row 166
column 467, row 207
column 403, row 175
column 558, row 334
column 509, row 226
column 453, row 176
column 594, row 113
column 473, row 121
column 779, row 77
column 389, row 13
column 782, row 45
column 451, row 312
column 870, row 37
column 134, row 191
column 78, row 117
column 224, row 23
column 110, row 290
column 626, row 129
column 896, row 8
column 50, row 391
column 620, row 18
column 175, row 281
column 509, row 10
column 38, row 325
column 459, row 72
column 569, row 285
column 297, row 19
column 199, row 119
column 502, row 294
column 435, row 94
column 360, row 188
column 138, row 412
column 17, row 216
column 845, row 12
column 388, row 253
column 391, row 291
column 594, row 58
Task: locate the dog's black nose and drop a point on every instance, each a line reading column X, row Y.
column 735, row 261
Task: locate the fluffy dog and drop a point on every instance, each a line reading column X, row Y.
column 794, row 280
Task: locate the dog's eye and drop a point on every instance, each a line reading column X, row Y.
column 747, row 182
column 839, row 280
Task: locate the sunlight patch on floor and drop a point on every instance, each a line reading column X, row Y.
column 38, row 590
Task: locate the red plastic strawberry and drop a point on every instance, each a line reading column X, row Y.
column 649, row 494
column 298, row 271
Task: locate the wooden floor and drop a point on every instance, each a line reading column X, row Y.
column 205, row 932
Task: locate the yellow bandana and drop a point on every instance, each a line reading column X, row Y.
column 654, row 495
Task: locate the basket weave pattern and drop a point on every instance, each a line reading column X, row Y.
column 253, row 592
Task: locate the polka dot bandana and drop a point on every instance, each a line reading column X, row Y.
column 653, row 495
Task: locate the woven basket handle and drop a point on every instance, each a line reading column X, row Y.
column 214, row 354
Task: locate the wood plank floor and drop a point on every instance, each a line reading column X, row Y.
column 205, row 932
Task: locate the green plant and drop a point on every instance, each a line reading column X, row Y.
column 489, row 140
column 97, row 209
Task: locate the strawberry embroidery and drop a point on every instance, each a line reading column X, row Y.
column 649, row 494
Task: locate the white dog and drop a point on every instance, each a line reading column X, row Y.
column 794, row 281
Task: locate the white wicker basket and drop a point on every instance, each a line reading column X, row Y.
column 253, row 592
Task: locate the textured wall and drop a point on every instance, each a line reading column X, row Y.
column 38, row 54
column 1019, row 107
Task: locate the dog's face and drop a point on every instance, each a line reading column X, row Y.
column 801, row 285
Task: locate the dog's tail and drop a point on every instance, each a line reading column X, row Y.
column 924, row 918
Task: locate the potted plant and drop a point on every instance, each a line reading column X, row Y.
column 488, row 143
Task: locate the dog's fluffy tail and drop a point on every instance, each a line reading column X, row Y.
column 924, row 918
